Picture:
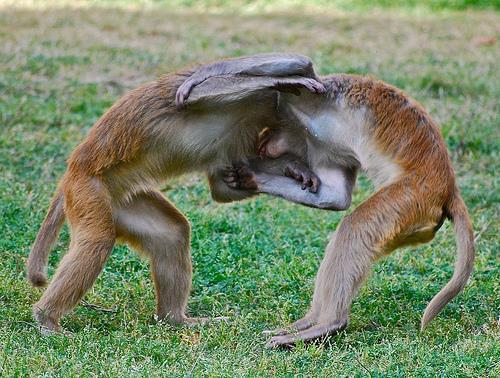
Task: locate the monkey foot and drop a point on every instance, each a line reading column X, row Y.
column 301, row 324
column 317, row 332
column 183, row 92
column 47, row 324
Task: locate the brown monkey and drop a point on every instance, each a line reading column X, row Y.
column 109, row 190
column 361, row 123
column 367, row 124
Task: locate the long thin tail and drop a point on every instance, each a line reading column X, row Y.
column 47, row 235
column 465, row 259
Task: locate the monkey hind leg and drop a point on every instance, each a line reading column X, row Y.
column 92, row 239
column 154, row 227
column 315, row 332
column 299, row 325
column 362, row 237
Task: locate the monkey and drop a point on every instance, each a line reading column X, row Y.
column 109, row 193
column 360, row 123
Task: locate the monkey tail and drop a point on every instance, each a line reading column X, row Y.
column 465, row 260
column 47, row 235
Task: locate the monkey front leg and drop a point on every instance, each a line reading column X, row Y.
column 331, row 190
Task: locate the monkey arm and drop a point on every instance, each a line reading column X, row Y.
column 267, row 66
column 330, row 195
column 270, row 176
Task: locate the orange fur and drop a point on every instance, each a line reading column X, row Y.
column 109, row 189
column 140, row 141
column 378, row 128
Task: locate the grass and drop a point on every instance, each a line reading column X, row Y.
column 62, row 66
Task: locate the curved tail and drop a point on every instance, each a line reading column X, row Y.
column 465, row 260
column 47, row 235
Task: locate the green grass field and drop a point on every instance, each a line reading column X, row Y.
column 61, row 67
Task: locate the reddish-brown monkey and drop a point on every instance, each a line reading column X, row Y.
column 361, row 123
column 367, row 124
column 109, row 190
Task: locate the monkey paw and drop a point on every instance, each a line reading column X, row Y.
column 315, row 333
column 293, row 85
column 312, row 85
column 183, row 92
column 185, row 89
column 307, row 178
column 241, row 178
column 47, row 324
